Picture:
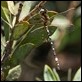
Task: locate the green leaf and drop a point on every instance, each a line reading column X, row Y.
column 21, row 52
column 25, row 9
column 19, row 30
column 50, row 75
column 37, row 36
column 5, row 14
column 11, row 7
column 36, row 20
column 6, row 31
column 77, row 76
column 52, row 13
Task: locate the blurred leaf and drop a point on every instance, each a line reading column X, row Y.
column 77, row 76
column 19, row 30
column 68, row 37
column 72, row 37
column 25, row 9
column 11, row 7
column 60, row 21
column 5, row 14
column 78, row 11
column 75, row 36
column 50, row 75
column 77, row 22
column 21, row 52
column 14, row 73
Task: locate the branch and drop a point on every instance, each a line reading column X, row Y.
column 7, row 51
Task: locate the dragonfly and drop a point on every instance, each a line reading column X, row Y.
column 45, row 18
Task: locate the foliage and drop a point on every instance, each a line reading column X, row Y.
column 25, row 35
column 52, row 75
column 29, row 34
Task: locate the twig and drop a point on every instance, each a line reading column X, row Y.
column 73, row 4
column 37, row 8
column 67, row 10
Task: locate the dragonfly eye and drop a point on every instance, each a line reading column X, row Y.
column 43, row 11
